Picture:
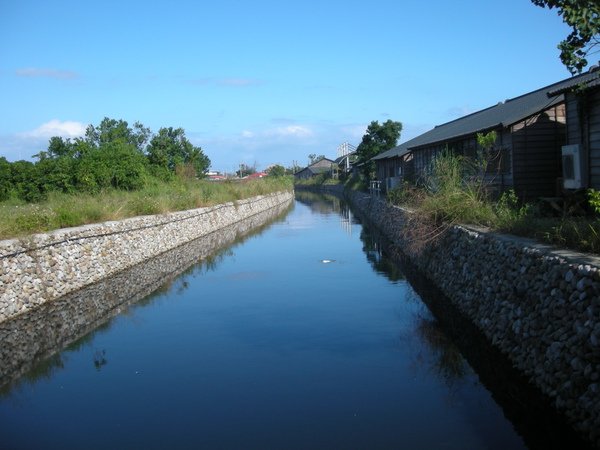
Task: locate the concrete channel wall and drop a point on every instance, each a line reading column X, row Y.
column 44, row 267
column 538, row 305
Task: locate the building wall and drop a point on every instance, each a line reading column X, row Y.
column 536, row 153
column 393, row 171
column 498, row 173
column 583, row 127
column 594, row 136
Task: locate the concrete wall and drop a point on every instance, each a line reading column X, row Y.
column 539, row 306
column 44, row 267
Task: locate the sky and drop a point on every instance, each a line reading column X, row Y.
column 264, row 82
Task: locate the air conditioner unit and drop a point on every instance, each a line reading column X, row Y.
column 571, row 164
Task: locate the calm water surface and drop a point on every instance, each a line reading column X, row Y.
column 268, row 346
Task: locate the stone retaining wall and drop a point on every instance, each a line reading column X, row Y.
column 539, row 306
column 43, row 331
column 44, row 267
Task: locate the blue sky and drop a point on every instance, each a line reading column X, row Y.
column 263, row 82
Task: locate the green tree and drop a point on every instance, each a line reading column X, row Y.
column 5, row 179
column 56, row 174
column 115, row 164
column 376, row 140
column 170, row 148
column 25, row 181
column 111, row 130
column 276, row 171
column 583, row 16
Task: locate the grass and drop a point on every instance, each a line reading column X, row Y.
column 318, row 180
column 18, row 218
column 453, row 193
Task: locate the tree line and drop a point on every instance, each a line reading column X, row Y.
column 110, row 155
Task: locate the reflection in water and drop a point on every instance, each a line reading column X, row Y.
column 374, row 251
column 324, row 204
column 448, row 363
column 30, row 341
column 100, row 359
column 274, row 349
column 454, row 343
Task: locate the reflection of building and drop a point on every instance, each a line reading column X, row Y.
column 531, row 129
column 346, row 219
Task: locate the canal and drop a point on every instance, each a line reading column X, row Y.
column 302, row 336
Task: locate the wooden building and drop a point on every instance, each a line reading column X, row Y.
column 531, row 130
column 582, row 100
column 323, row 165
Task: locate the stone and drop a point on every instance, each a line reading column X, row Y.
column 569, row 276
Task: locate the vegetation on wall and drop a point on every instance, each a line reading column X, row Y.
column 61, row 210
column 454, row 193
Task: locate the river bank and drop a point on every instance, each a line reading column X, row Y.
column 45, row 267
column 538, row 305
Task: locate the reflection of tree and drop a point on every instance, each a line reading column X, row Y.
column 42, row 371
column 374, row 250
column 319, row 202
column 100, row 359
column 448, row 362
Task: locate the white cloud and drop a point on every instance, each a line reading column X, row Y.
column 66, row 129
column 36, row 72
column 291, row 130
column 28, row 143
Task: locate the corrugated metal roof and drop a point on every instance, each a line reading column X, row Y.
column 503, row 114
column 586, row 81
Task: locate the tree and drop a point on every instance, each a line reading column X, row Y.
column 314, row 158
column 276, row 171
column 376, row 140
column 245, row 170
column 170, row 148
column 111, row 130
column 115, row 164
column 5, row 179
column 583, row 16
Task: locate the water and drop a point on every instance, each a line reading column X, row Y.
column 304, row 336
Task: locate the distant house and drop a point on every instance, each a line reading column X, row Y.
column 255, row 175
column 324, row 165
column 581, row 154
column 531, row 131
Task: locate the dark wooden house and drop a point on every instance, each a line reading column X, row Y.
column 531, row 131
column 324, row 165
column 582, row 101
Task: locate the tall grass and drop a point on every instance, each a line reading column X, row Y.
column 454, row 192
column 60, row 210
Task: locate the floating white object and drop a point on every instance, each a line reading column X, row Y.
column 327, row 261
